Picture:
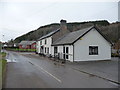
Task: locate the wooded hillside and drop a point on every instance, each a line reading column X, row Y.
column 110, row 30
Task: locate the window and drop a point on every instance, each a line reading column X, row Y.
column 45, row 41
column 67, row 49
column 67, row 52
column 45, row 49
column 93, row 50
column 55, row 49
column 41, row 42
column 48, row 50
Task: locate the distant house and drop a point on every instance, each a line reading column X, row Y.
column 87, row 44
column 27, row 45
column 16, row 45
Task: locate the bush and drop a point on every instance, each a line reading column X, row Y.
column 115, row 55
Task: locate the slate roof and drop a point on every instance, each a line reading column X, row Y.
column 49, row 34
column 26, row 42
column 73, row 36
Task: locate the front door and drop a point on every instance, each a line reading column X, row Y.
column 67, row 52
column 41, row 50
column 55, row 51
column 64, row 53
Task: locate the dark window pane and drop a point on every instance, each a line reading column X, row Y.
column 67, row 49
column 40, row 42
column 66, row 56
column 93, row 50
column 45, row 41
column 45, row 49
column 55, row 49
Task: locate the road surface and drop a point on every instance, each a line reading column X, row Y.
column 26, row 71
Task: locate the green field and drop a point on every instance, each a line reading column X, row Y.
column 17, row 49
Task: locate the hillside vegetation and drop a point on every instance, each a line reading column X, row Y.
column 110, row 30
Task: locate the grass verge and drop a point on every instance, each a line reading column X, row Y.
column 2, row 68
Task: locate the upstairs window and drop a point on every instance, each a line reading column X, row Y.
column 41, row 42
column 67, row 52
column 93, row 50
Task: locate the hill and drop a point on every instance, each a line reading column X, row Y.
column 110, row 30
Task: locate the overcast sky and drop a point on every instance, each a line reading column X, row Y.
column 20, row 17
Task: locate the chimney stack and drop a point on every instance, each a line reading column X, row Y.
column 63, row 24
column 63, row 27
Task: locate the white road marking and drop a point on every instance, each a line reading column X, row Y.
column 47, row 73
column 113, row 83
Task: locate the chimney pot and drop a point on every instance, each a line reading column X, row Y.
column 63, row 21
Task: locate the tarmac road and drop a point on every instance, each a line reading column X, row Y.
column 26, row 71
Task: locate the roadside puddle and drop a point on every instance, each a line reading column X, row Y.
column 8, row 60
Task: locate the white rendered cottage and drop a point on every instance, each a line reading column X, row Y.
column 87, row 44
column 44, row 44
column 84, row 45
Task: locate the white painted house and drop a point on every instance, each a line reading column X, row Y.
column 87, row 44
column 44, row 44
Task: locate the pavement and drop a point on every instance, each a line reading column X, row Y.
column 107, row 69
column 29, row 70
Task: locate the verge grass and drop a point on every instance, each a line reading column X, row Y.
column 2, row 67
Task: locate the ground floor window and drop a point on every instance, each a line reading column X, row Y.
column 45, row 49
column 48, row 50
column 67, row 52
column 93, row 50
column 55, row 50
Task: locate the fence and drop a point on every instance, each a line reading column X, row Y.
column 62, row 56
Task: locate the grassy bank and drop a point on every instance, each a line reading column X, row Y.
column 2, row 67
column 3, row 54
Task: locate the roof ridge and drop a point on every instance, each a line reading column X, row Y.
column 54, row 31
column 73, row 35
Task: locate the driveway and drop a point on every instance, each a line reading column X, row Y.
column 32, row 71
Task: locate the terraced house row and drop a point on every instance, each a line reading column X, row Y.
column 82, row 45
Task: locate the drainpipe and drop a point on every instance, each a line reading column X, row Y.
column 73, row 52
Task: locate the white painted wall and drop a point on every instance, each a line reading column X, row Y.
column 47, row 45
column 52, row 51
column 37, row 47
column 81, row 47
